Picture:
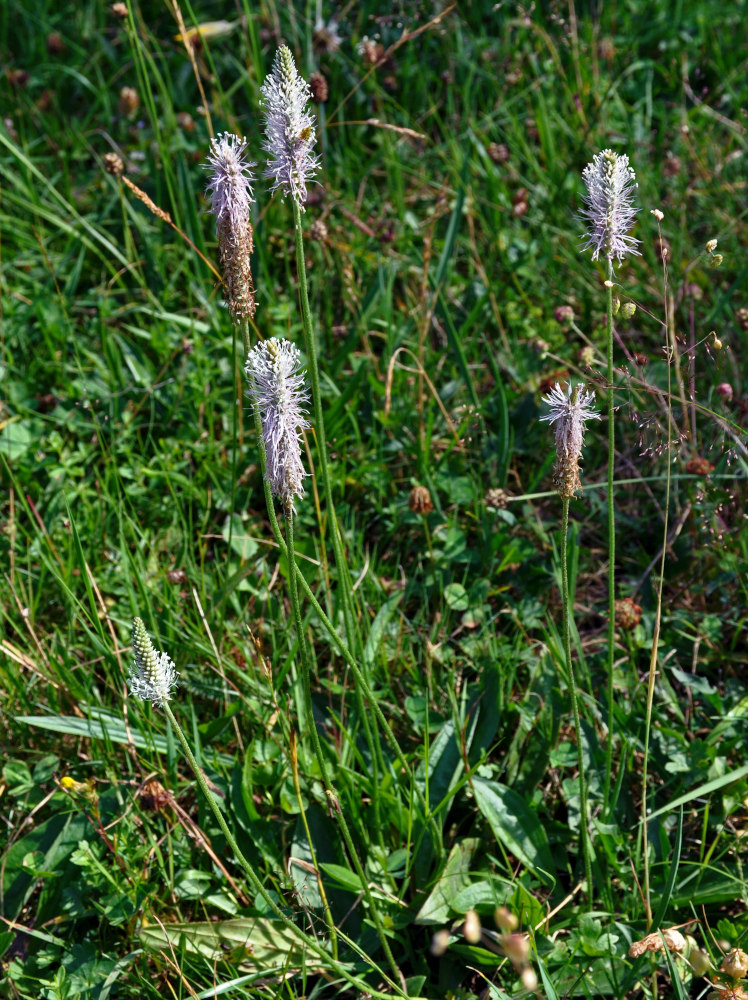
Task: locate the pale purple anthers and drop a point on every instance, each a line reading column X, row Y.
column 610, row 210
column 569, row 411
column 277, row 389
column 289, row 128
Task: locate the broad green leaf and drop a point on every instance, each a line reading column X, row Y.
column 516, row 826
column 343, row 877
column 438, row 905
column 254, row 940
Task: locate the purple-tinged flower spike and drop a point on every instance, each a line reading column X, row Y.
column 278, row 390
column 230, row 190
column 289, row 128
column 610, row 210
column 569, row 411
column 152, row 675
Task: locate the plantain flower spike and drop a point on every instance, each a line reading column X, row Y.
column 289, row 128
column 230, row 191
column 610, row 210
column 152, row 675
column 277, row 389
column 569, row 411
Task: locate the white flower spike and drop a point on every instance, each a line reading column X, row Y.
column 610, row 209
column 289, row 128
column 230, row 190
column 277, row 389
column 152, row 675
column 570, row 411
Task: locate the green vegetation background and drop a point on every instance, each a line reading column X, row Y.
column 452, row 143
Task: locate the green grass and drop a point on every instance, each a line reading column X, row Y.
column 131, row 486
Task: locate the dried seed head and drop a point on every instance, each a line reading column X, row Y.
column 699, row 466
column 113, row 164
column 277, row 389
column 609, row 209
column 628, row 614
column 496, row 499
column 230, row 190
column 152, row 675
column 735, row 964
column 671, row 939
column 570, row 411
column 419, row 500
column 318, row 87
column 129, row 102
column 289, row 128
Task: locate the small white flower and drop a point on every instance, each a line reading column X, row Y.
column 289, row 128
column 570, row 411
column 152, row 675
column 277, row 389
column 609, row 204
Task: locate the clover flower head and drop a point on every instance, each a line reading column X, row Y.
column 152, row 674
column 277, row 389
column 230, row 191
column 569, row 410
column 289, row 128
column 610, row 209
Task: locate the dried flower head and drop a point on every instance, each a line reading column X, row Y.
column 152, row 675
column 628, row 613
column 277, row 389
column 609, row 209
column 230, row 190
column 671, row 939
column 419, row 500
column 289, row 128
column 113, row 164
column 570, row 411
column 496, row 498
column 735, row 964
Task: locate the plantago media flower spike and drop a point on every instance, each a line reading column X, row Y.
column 569, row 411
column 230, row 190
column 609, row 210
column 277, row 389
column 289, row 128
column 152, row 675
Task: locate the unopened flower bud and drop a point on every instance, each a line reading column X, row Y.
column 725, row 391
column 529, row 979
column 505, row 920
column 472, row 928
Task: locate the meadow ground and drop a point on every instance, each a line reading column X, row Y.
column 414, row 774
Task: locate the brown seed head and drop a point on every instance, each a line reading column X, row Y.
column 498, row 152
column 628, row 614
column 699, row 466
column 735, row 964
column 319, row 88
column 419, row 500
column 496, row 499
column 129, row 102
column 113, row 164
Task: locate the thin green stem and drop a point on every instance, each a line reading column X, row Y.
column 611, row 552
column 567, row 612
column 314, row 946
column 370, row 732
column 329, row 791
column 312, row 852
column 656, row 630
